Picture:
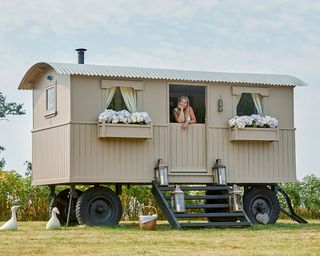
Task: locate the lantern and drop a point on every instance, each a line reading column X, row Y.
column 235, row 199
column 219, row 173
column 177, row 200
column 161, row 172
column 220, row 105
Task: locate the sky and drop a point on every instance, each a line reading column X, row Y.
column 279, row 37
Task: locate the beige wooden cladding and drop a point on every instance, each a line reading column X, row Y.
column 110, row 159
column 125, row 160
column 51, row 155
column 254, row 161
column 187, row 148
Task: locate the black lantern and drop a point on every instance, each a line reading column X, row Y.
column 220, row 104
column 161, row 172
column 177, row 200
column 235, row 199
column 219, row 173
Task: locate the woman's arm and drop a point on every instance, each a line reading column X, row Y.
column 177, row 117
column 193, row 118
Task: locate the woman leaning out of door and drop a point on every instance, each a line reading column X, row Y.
column 183, row 113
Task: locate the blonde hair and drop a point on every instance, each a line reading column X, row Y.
column 187, row 109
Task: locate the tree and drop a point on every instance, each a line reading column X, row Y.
column 6, row 109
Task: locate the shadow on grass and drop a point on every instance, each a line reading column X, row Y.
column 282, row 225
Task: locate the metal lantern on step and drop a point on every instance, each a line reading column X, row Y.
column 219, row 173
column 177, row 200
column 235, row 199
column 161, row 173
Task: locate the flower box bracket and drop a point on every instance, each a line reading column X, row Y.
column 254, row 134
column 140, row 131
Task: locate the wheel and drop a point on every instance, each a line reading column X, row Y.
column 263, row 200
column 62, row 203
column 99, row 206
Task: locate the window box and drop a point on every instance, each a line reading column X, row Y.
column 254, row 134
column 141, row 131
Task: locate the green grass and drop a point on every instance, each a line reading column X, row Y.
column 285, row 238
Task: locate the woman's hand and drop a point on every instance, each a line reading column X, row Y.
column 181, row 106
column 185, row 125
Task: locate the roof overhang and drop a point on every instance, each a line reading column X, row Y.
column 36, row 70
column 32, row 75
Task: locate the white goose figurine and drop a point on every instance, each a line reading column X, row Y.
column 54, row 222
column 12, row 223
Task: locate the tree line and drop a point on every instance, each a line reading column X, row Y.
column 16, row 189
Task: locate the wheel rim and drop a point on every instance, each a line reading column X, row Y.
column 262, row 205
column 100, row 210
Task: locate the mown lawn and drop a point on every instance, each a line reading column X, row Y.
column 285, row 238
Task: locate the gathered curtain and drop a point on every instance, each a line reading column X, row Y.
column 110, row 93
column 257, row 99
column 237, row 97
column 130, row 98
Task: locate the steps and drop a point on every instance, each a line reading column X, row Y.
column 206, row 206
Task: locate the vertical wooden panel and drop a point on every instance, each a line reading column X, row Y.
column 254, row 161
column 281, row 154
column 51, row 154
column 187, row 148
column 251, row 158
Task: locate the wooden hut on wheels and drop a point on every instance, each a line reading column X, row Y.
column 71, row 147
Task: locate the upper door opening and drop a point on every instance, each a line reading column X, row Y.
column 196, row 96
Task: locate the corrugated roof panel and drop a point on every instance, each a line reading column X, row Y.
column 166, row 74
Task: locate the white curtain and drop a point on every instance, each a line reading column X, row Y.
column 130, row 98
column 237, row 98
column 109, row 95
column 257, row 99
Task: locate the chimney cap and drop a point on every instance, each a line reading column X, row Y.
column 81, row 49
column 81, row 52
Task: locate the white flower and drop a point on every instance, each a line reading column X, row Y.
column 123, row 116
column 253, row 121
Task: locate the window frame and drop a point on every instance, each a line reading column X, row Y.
column 205, row 86
column 51, row 112
column 138, row 86
column 238, row 91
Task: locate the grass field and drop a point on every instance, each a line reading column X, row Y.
column 284, row 238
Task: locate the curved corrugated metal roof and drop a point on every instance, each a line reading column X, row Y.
column 166, row 74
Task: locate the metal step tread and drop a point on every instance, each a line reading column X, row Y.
column 202, row 197
column 200, row 206
column 216, row 224
column 196, row 188
column 211, row 214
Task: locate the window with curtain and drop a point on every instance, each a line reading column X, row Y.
column 117, row 102
column 250, row 103
column 120, row 98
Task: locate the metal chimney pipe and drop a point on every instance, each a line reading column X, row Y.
column 81, row 55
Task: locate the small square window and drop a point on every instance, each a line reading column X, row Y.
column 51, row 101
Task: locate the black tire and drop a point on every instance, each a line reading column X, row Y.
column 62, row 203
column 263, row 200
column 99, row 206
